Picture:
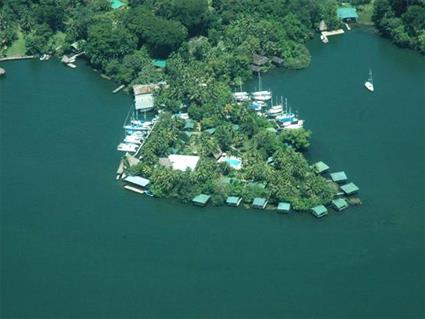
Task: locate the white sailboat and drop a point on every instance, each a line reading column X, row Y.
column 241, row 96
column 261, row 95
column 369, row 83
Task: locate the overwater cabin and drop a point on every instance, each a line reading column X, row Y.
column 201, row 200
column 283, row 207
column 320, row 167
column 339, row 204
column 259, row 203
column 349, row 188
column 319, row 211
column 233, row 201
column 138, row 181
column 347, row 14
column 339, row 177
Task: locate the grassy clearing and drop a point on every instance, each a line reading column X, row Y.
column 18, row 46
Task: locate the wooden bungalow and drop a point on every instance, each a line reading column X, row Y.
column 319, row 211
column 320, row 167
column 349, row 188
column 201, row 200
column 283, row 207
column 338, row 177
column 339, row 204
column 259, row 203
column 233, row 201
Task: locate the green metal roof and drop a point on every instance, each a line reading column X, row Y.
column 116, row 4
column 235, row 127
column 283, row 206
column 259, row 202
column 319, row 211
column 210, row 131
column 320, row 167
column 347, row 13
column 201, row 199
column 338, row 176
column 233, row 200
column 340, row 203
column 189, row 125
column 188, row 133
column 349, row 188
column 159, row 63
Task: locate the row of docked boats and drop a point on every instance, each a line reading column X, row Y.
column 136, row 132
column 261, row 102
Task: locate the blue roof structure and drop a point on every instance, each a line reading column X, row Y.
column 116, row 4
column 137, row 180
column 347, row 13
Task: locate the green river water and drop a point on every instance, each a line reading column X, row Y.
column 74, row 244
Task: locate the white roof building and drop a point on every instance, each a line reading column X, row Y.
column 183, row 162
column 143, row 102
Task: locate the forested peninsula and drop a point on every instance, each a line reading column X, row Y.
column 209, row 47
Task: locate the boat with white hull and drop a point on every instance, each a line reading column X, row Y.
column 369, row 83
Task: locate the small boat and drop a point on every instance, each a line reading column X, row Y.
column 71, row 65
column 136, row 125
column 369, row 83
column 256, row 105
column 261, row 95
column 132, row 139
column 241, row 96
column 127, row 147
column 324, row 38
column 288, row 120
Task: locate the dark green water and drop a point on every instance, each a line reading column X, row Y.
column 74, row 244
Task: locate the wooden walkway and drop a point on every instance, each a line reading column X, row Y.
column 22, row 57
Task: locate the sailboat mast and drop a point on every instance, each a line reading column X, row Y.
column 259, row 81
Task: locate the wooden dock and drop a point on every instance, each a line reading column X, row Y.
column 22, row 57
column 134, row 189
column 334, row 32
column 118, row 89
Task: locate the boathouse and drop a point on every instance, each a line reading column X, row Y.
column 319, row 211
column 320, row 167
column 137, row 180
column 338, row 177
column 259, row 203
column 201, row 200
column 349, row 188
column 278, row 61
column 339, row 204
column 233, row 201
column 283, row 207
column 347, row 14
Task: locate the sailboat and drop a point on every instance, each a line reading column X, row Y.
column 261, row 95
column 369, row 83
column 288, row 119
column 241, row 96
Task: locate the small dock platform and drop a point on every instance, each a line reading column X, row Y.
column 334, row 32
column 134, row 189
column 118, row 89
